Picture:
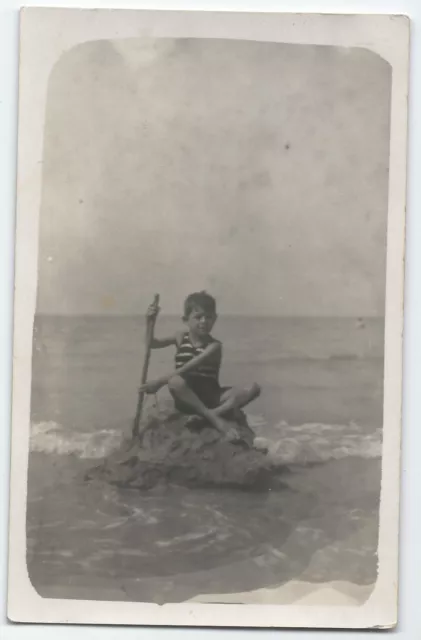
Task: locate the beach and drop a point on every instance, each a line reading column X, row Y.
column 320, row 415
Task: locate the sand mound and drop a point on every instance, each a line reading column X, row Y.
column 174, row 450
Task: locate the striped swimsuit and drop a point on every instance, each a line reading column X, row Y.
column 204, row 380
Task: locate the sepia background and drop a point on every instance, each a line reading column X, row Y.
column 259, row 172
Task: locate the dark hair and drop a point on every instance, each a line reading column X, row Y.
column 200, row 300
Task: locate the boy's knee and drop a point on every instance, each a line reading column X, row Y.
column 176, row 383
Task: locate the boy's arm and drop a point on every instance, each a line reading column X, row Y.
column 189, row 366
column 156, row 343
column 192, row 364
column 174, row 340
column 160, row 343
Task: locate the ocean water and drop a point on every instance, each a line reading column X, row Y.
column 320, row 412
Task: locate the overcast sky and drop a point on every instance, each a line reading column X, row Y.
column 257, row 171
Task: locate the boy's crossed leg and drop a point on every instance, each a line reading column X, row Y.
column 237, row 398
column 181, row 390
column 231, row 400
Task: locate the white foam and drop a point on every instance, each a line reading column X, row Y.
column 50, row 437
column 313, row 442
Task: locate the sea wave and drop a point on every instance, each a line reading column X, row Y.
column 285, row 444
column 51, row 437
column 316, row 442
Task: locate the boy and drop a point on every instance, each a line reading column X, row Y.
column 194, row 384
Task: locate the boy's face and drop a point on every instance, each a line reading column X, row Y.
column 201, row 322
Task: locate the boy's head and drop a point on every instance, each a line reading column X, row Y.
column 200, row 312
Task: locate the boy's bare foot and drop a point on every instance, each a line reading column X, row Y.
column 232, row 435
column 223, row 427
column 194, row 422
column 228, row 430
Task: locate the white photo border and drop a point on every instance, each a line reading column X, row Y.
column 45, row 35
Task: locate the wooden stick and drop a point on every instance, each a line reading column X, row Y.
column 148, row 341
